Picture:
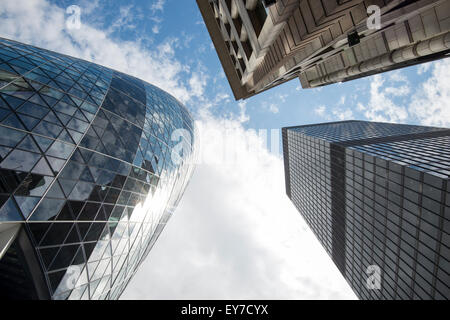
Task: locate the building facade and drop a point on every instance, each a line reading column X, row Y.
column 377, row 196
column 263, row 43
column 88, row 176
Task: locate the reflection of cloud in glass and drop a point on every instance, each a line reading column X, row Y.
column 61, row 150
column 20, row 160
column 70, row 279
column 81, row 191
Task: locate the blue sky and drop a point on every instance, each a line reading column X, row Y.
column 235, row 234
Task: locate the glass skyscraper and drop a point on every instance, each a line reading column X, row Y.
column 92, row 164
column 377, row 196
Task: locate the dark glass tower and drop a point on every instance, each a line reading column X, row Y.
column 377, row 196
column 92, row 164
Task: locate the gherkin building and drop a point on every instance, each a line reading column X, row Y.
column 93, row 163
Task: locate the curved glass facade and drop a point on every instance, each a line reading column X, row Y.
column 93, row 162
column 377, row 196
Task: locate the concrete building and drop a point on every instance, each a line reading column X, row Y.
column 262, row 44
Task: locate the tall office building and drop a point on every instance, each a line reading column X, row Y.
column 377, row 196
column 263, row 43
column 88, row 179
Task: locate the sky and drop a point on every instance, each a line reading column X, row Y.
column 235, row 234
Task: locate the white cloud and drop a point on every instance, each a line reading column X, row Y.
column 274, row 108
column 430, row 104
column 88, row 6
column 157, row 5
column 424, row 67
column 187, row 39
column 282, row 97
column 398, row 91
column 222, row 96
column 426, row 103
column 197, row 82
column 346, row 114
column 235, row 240
column 157, row 20
column 243, row 117
column 397, row 76
column 124, row 20
column 336, row 113
column 271, row 107
column 155, row 28
column 380, row 107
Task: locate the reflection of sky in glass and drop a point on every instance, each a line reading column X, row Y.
column 135, row 231
column 96, row 169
